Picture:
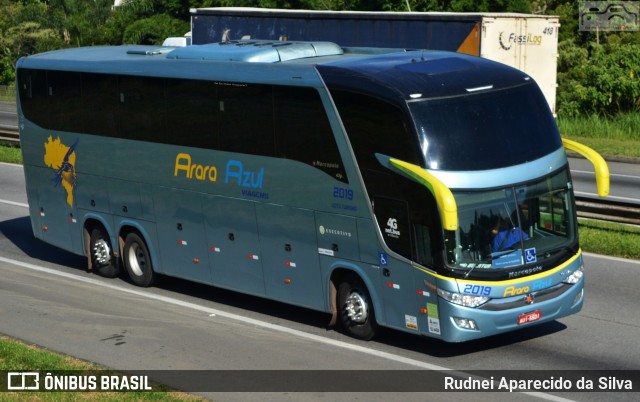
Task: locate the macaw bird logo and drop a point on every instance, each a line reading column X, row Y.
column 62, row 160
column 66, row 171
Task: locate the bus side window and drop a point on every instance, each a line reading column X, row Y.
column 192, row 113
column 140, row 98
column 423, row 245
column 100, row 102
column 64, row 99
column 375, row 126
column 393, row 220
column 33, row 90
column 246, row 118
column 303, row 132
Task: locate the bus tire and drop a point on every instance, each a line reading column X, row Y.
column 137, row 260
column 102, row 257
column 356, row 309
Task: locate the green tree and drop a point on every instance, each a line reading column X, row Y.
column 154, row 30
column 24, row 30
column 79, row 22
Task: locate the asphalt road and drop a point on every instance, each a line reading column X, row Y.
column 625, row 180
column 47, row 298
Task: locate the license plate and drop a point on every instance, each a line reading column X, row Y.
column 529, row 317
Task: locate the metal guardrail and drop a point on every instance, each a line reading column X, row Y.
column 608, row 210
column 8, row 115
column 9, row 135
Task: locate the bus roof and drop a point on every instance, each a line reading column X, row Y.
column 405, row 73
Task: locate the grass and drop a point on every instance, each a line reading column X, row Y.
column 619, row 136
column 610, row 238
column 10, row 153
column 18, row 356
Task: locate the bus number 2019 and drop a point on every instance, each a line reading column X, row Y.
column 477, row 290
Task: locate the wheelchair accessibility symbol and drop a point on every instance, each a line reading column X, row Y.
column 530, row 255
column 383, row 259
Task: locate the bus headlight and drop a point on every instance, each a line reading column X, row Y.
column 575, row 276
column 462, row 299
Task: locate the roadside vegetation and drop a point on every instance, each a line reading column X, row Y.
column 619, row 136
column 18, row 356
column 610, row 238
column 10, row 153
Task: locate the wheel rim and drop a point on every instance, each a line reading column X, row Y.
column 356, row 307
column 101, row 252
column 137, row 259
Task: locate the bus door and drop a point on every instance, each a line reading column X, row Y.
column 233, row 243
column 181, row 235
column 291, row 262
column 398, row 289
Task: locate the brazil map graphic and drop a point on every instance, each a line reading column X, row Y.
column 62, row 159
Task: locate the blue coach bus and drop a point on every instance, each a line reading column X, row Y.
column 425, row 191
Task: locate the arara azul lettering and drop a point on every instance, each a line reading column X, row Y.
column 235, row 172
column 244, row 178
column 193, row 170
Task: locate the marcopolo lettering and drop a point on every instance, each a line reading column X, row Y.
column 193, row 170
column 245, row 178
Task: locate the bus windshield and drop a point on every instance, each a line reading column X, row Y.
column 513, row 226
column 486, row 129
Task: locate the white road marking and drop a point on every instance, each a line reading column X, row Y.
column 17, row 204
column 610, row 174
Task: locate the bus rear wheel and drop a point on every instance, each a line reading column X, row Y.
column 356, row 309
column 137, row 260
column 102, row 258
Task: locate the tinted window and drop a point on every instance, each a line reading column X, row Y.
column 243, row 118
column 99, row 104
column 374, row 126
column 191, row 113
column 303, row 131
column 140, row 115
column 63, row 92
column 246, row 118
column 393, row 220
column 32, row 87
column 486, row 130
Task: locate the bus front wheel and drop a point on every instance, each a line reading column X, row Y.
column 356, row 309
column 102, row 258
column 137, row 260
